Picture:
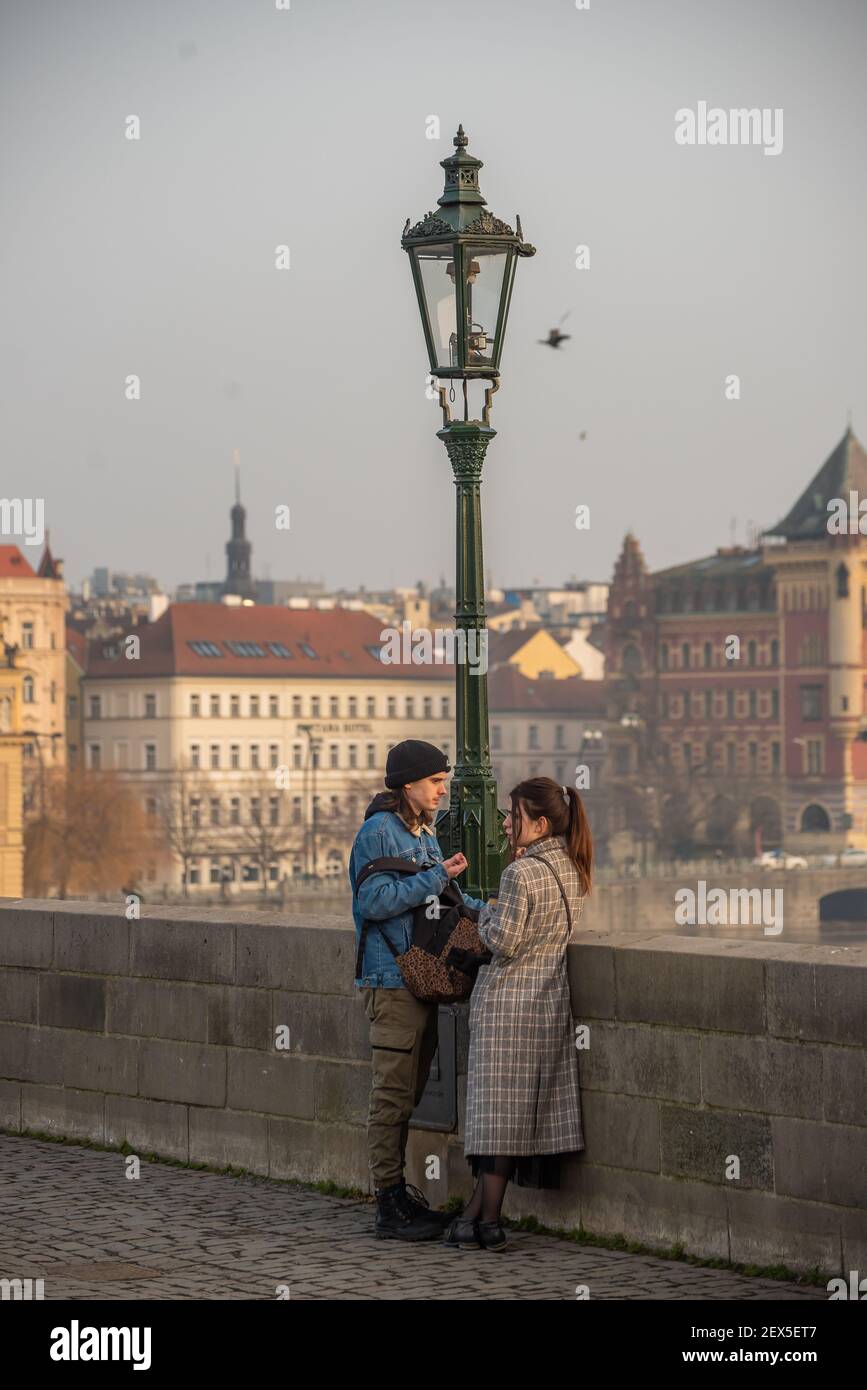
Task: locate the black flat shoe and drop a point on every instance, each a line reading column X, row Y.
column 461, row 1235
column 491, row 1235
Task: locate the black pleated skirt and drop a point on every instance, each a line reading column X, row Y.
column 531, row 1170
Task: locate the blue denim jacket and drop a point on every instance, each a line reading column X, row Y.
column 388, row 899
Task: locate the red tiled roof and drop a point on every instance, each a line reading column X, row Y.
column 76, row 645
column 13, row 565
column 192, row 639
column 509, row 689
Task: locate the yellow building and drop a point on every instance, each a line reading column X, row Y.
column 533, row 651
column 11, row 782
column 32, row 620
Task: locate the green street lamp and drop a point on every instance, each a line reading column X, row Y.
column 463, row 263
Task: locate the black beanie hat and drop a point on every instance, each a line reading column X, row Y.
column 412, row 760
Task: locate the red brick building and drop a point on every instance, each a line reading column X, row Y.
column 741, row 678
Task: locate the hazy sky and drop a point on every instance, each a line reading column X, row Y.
column 306, row 127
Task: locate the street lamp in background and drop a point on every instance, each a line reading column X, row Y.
column 463, row 263
column 313, row 746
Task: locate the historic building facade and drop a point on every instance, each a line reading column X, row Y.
column 737, row 680
column 256, row 734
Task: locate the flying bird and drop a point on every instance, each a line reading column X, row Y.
column 555, row 337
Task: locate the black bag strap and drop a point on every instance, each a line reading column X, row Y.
column 562, row 889
column 386, row 863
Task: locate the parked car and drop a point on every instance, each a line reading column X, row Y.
column 779, row 859
column 852, row 857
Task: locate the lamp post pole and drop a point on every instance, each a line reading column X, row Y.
column 463, row 263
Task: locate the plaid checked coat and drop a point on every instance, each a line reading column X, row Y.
column 522, row 1084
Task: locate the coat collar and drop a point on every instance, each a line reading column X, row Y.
column 547, row 842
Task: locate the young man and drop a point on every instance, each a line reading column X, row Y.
column 403, row 1029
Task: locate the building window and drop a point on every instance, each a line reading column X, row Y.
column 754, row 757
column 371, row 755
column 445, row 707
column 730, row 704
column 775, row 704
column 371, row 706
column 686, row 749
column 496, row 736
column 195, row 756
column 533, row 736
column 150, row 706
column 273, row 755
column 274, row 706
column 297, row 755
column 95, row 754
column 296, row 706
column 215, row 706
column 775, row 757
column 731, row 757
column 811, row 702
column 708, row 704
column 274, row 810
column 663, row 656
column 334, row 707
column 410, row 707
column 334, row 755
column 195, row 706
column 254, row 756
column 255, row 810
column 391, row 707
column 195, row 871
column 254, row 706
column 684, row 655
column 708, row 654
column 235, row 811
column 215, row 756
column 195, row 813
column 814, row 757
column 427, row 707
column 215, row 810
column 353, row 755
column 234, row 706
column 234, row 755
column 751, row 653
column 296, row 810
column 352, row 705
column 150, row 757
column 754, row 704
column 335, row 807
column 315, row 707
column 27, row 636
column 775, row 652
column 559, row 732
column 95, row 703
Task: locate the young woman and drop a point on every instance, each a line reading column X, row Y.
column 523, row 1106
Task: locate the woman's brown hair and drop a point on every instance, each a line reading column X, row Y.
column 564, row 810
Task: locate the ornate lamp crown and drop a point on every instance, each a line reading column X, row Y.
column 463, row 207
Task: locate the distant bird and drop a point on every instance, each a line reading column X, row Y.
column 555, row 337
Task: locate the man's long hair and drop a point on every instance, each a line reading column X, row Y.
column 395, row 799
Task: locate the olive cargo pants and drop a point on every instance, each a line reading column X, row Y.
column 403, row 1040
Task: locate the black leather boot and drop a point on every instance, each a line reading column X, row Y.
column 397, row 1220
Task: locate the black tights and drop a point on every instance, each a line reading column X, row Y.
column 487, row 1199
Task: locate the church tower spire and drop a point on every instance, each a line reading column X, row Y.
column 238, row 548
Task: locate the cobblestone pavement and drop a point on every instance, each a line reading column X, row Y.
column 70, row 1216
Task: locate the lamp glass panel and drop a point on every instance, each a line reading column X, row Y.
column 437, row 269
column 484, row 269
